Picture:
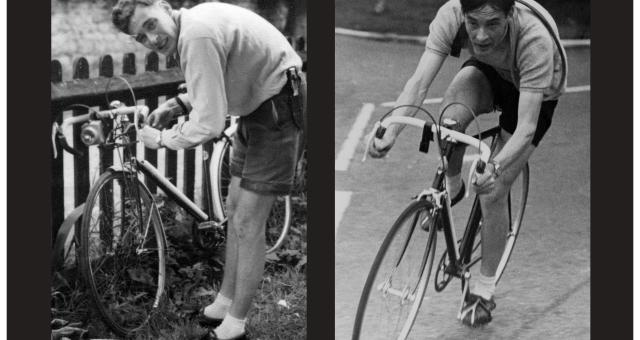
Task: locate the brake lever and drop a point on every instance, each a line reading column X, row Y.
column 54, row 130
column 377, row 130
column 62, row 140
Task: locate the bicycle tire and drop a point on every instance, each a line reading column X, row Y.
column 520, row 189
column 279, row 220
column 122, row 251
column 64, row 248
column 402, row 251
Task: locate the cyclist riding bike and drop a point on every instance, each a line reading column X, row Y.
column 517, row 66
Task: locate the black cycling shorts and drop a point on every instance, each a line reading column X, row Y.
column 506, row 97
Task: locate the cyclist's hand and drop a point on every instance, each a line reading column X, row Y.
column 149, row 137
column 484, row 183
column 380, row 147
column 161, row 117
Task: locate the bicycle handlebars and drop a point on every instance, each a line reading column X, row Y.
column 119, row 109
column 479, row 164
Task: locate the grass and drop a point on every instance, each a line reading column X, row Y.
column 412, row 17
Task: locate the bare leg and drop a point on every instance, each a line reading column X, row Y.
column 495, row 212
column 227, row 288
column 248, row 221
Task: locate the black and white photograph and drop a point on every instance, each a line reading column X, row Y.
column 178, row 169
column 462, row 169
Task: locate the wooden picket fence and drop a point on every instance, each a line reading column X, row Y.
column 149, row 87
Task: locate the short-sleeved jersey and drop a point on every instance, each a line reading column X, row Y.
column 528, row 57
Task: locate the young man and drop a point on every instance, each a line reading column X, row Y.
column 515, row 66
column 235, row 63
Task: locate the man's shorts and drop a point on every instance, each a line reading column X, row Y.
column 505, row 98
column 267, row 145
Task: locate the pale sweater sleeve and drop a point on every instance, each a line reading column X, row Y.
column 203, row 64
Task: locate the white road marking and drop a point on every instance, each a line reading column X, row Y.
column 422, row 39
column 574, row 89
column 583, row 88
column 349, row 146
column 342, row 202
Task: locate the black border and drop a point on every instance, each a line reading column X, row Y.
column 612, row 170
column 321, row 197
column 28, row 170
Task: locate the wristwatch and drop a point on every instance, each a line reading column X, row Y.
column 182, row 106
column 496, row 168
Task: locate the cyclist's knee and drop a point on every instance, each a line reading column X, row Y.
column 459, row 114
column 496, row 196
column 245, row 224
column 471, row 88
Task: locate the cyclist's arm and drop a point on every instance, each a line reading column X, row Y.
column 415, row 90
column 202, row 63
column 528, row 113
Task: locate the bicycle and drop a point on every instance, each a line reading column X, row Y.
column 398, row 279
column 120, row 242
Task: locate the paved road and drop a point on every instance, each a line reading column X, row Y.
column 545, row 293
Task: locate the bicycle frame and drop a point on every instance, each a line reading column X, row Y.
column 171, row 190
column 459, row 256
column 215, row 208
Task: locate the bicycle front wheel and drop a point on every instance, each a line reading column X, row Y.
column 397, row 281
column 122, row 251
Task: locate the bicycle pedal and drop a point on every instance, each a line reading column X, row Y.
column 209, row 225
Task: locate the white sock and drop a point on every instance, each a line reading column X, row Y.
column 219, row 308
column 485, row 286
column 230, row 327
column 453, row 185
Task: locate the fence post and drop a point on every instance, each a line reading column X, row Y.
column 81, row 163
column 129, row 67
column 171, row 159
column 106, row 70
column 151, row 65
column 57, row 185
column 106, row 160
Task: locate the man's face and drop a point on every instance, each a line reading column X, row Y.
column 487, row 27
column 153, row 27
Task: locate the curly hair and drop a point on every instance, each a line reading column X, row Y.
column 504, row 5
column 123, row 10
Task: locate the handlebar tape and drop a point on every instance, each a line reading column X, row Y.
column 65, row 145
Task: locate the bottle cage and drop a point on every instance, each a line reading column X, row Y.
column 462, row 36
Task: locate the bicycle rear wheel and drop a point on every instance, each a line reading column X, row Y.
column 398, row 278
column 279, row 220
column 122, row 251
